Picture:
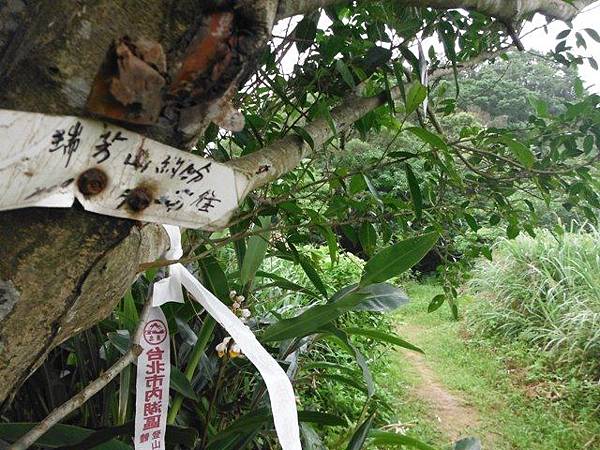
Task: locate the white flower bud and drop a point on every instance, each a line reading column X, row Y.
column 235, row 306
column 245, row 313
column 232, row 294
column 240, row 298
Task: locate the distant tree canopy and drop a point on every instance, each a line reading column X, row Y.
column 506, row 87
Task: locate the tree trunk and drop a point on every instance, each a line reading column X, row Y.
column 63, row 270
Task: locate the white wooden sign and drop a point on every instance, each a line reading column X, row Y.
column 51, row 160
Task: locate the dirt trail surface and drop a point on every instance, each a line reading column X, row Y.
column 454, row 416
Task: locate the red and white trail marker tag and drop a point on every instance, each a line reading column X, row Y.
column 42, row 158
column 152, row 385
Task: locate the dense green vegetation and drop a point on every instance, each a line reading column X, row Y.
column 316, row 261
column 543, row 293
column 517, row 401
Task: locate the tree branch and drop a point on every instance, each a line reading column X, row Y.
column 260, row 168
column 502, row 9
column 89, row 391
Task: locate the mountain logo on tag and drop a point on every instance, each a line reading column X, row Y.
column 155, row 332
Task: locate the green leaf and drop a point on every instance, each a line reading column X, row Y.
column 321, row 418
column 332, row 244
column 471, row 222
column 305, row 33
column 58, row 436
column 213, row 277
column 382, row 337
column 255, row 253
column 436, row 302
column 360, row 435
column 388, row 438
column 313, row 275
column 415, row 191
column 523, row 154
column 428, row 137
column 379, row 297
column 180, row 384
column 343, row 70
column 415, row 95
column 563, row 34
column 397, row 258
column 285, row 284
column 593, row 34
column 344, row 340
column 303, row 324
column 357, row 183
column 368, row 237
column 305, row 136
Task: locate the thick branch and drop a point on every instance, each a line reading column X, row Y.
column 266, row 165
column 502, row 9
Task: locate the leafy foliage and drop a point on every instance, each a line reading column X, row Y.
column 314, row 257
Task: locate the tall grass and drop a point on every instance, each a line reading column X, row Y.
column 545, row 291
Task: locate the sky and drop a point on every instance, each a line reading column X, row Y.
column 589, row 18
column 535, row 38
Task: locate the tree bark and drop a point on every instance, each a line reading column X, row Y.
column 62, row 271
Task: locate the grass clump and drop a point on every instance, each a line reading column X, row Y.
column 544, row 292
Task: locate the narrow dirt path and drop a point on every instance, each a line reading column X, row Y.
column 455, row 418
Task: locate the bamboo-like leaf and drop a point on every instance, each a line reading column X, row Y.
column 382, row 337
column 255, row 253
column 394, row 260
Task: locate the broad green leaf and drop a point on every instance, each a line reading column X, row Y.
column 388, row 438
column 593, row 34
column 213, row 277
column 58, row 436
column 415, row 191
column 332, row 244
column 415, row 95
column 180, row 384
column 523, row 154
column 357, row 183
column 379, row 297
column 368, row 237
column 306, row 323
column 305, row 136
column 436, row 302
column 471, row 221
column 255, row 253
column 382, row 337
column 397, row 258
column 361, row 434
column 429, row 137
column 285, row 284
column 313, row 275
column 343, row 70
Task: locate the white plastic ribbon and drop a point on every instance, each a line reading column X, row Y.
column 281, row 392
column 169, row 288
column 152, row 383
column 423, row 68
